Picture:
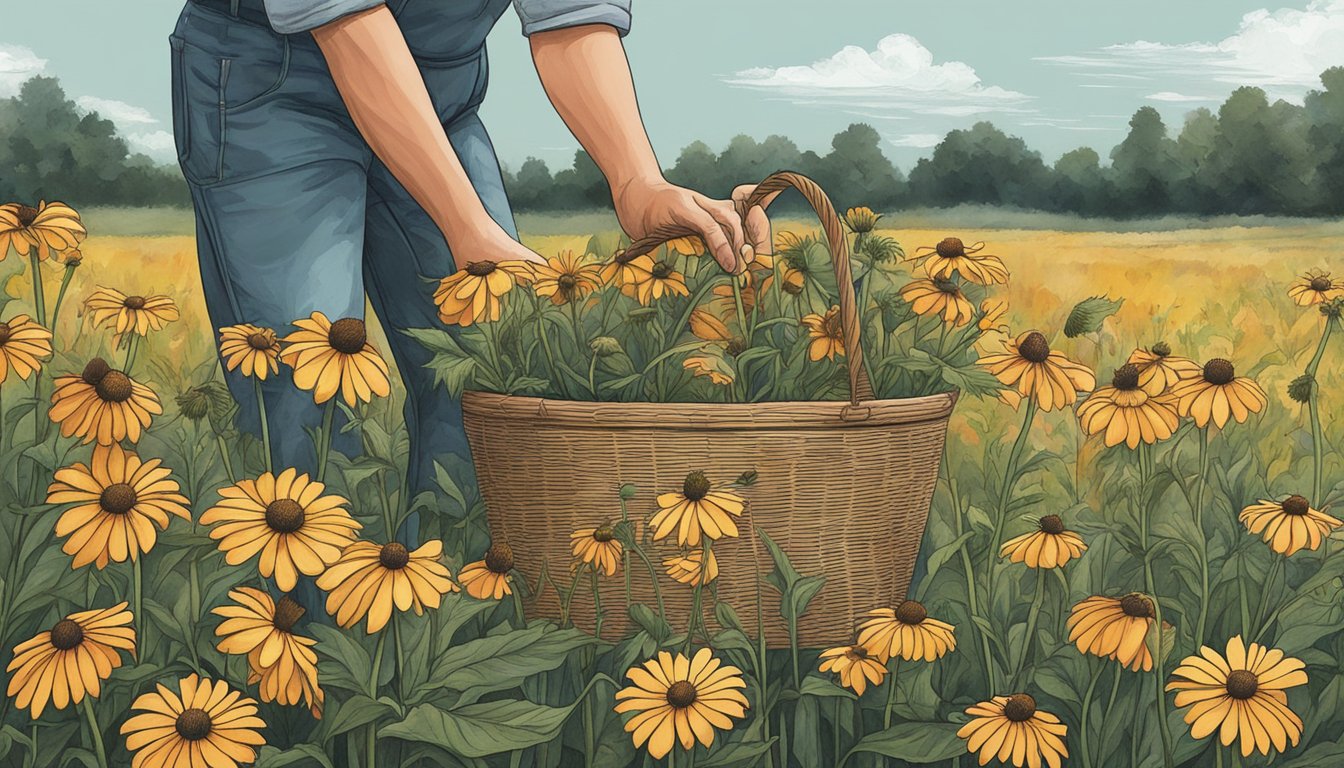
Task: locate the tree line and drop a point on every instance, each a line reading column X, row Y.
column 1250, row 156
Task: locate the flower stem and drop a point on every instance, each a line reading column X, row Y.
column 1082, row 724
column 597, row 606
column 1006, row 491
column 95, row 732
column 324, row 439
column 371, row 743
column 138, row 592
column 892, row 680
column 132, row 347
column 265, row 426
column 1313, row 406
column 1033, row 615
column 1201, row 486
column 400, row 654
column 224, row 457
column 1145, row 523
column 39, row 297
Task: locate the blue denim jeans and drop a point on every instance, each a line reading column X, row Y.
column 295, row 215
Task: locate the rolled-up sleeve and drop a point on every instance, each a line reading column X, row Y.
column 289, row 17
column 545, row 15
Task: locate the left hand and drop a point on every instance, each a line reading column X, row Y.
column 732, row 238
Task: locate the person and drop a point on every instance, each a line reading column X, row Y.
column 333, row 150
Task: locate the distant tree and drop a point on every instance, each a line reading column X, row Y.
column 530, row 188
column 856, row 172
column 1143, row 166
column 981, row 165
column 1080, row 183
column 1261, row 159
column 1193, row 147
column 1325, row 113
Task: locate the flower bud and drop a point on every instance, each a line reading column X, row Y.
column 628, row 492
column 1300, row 388
column 605, row 346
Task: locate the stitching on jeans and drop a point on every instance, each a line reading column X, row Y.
column 222, row 183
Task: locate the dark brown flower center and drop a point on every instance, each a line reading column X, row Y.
column 1052, row 524
column 696, row 486
column 1034, row 348
column 94, row 372
column 499, row 558
column 911, row 612
column 951, row 248
column 347, row 335
column 1136, row 606
column 946, row 286
column 1242, row 684
column 857, row 653
column 604, row 534
column 1320, row 283
column 114, row 387
column 737, row 346
column 287, row 614
column 832, row 326
column 481, row 268
column 1219, row 371
column 4, row 332
column 66, row 635
column 1296, row 505
column 193, row 724
column 134, row 302
column 1161, row 349
column 681, row 694
column 1126, row 377
column 259, row 341
column 285, row 515
column 27, row 215
column 394, row 556
column 662, row 270
column 1019, row 707
column 117, row 498
column 567, row 282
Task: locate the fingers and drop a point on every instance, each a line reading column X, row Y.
column 757, row 223
column 730, row 222
column 712, row 233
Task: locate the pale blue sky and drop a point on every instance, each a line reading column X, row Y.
column 1060, row 73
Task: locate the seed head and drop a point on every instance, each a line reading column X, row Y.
column 285, row 515
column 1242, row 684
column 117, row 498
column 911, row 612
column 114, row 387
column 1137, row 606
column 1034, row 348
column 287, row 614
column 95, row 370
column 1126, row 377
column 1299, row 389
column 394, row 556
column 348, row 335
column 193, row 724
column 696, row 486
column 1219, row 371
column 951, row 248
column 66, row 635
column 681, row 694
column 1019, row 707
column 1296, row 505
column 1052, row 524
column 499, row 558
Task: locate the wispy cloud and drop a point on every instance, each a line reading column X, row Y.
column 917, row 140
column 118, row 112
column 1178, row 98
column 899, row 76
column 135, row 124
column 17, row 64
column 1283, row 51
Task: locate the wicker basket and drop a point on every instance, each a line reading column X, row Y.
column 844, row 487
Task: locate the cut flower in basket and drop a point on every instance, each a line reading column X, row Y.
column 697, row 509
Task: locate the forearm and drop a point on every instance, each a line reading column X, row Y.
column 386, row 96
column 587, row 77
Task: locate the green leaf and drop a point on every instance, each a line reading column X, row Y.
column 500, row 662
column 795, row 589
column 300, row 755
column 1088, row 315
column 453, row 367
column 342, row 662
column 740, row 755
column 357, row 711
column 917, row 743
column 822, row 688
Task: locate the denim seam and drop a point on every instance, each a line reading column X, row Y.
column 220, row 183
column 204, row 209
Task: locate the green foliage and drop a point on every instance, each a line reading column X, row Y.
column 1088, row 315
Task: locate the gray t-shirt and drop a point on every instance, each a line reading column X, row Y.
column 293, row 16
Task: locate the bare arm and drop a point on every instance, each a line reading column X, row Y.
column 587, row 77
column 382, row 87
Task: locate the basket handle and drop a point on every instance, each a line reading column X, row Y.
column 860, row 388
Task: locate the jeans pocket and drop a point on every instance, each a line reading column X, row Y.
column 198, row 111
column 181, row 126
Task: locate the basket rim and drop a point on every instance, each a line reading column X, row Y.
column 793, row 414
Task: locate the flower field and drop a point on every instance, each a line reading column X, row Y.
column 1132, row 557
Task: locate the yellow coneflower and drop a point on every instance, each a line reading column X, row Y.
column 792, row 281
column 50, row 228
column 685, row 568
column 102, row 404
column 474, row 294
column 130, row 314
column 709, row 363
column 681, row 700
column 331, row 357
column 687, row 246
column 1051, row 545
column 250, row 349
column 1115, row 628
column 992, row 312
column 855, row 667
column 1011, row 728
column 282, row 662
column 1124, row 413
column 1241, row 694
column 207, row 726
column 287, row 520
column 566, row 278
column 952, row 256
column 939, row 297
column 1159, row 370
column 1289, row 526
column 1038, row 372
column 597, row 547
column 695, row 510
column 23, row 345
column 488, row 578
column 1218, row 394
column 118, row 499
column 827, row 335
column 906, row 632
column 69, row 661
column 861, row 219
column 663, row 280
column 370, row 579
column 1316, row 287
column 627, row 272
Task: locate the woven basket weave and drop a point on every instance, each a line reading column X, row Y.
column 844, row 487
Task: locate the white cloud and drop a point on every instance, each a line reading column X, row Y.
column 157, row 144
column 1177, row 98
column 118, row 112
column 917, row 140
column 17, row 64
column 899, row 76
column 1283, row 51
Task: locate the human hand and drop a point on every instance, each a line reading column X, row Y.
column 490, row 242
column 732, row 237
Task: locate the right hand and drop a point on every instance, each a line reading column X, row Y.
column 491, row 243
